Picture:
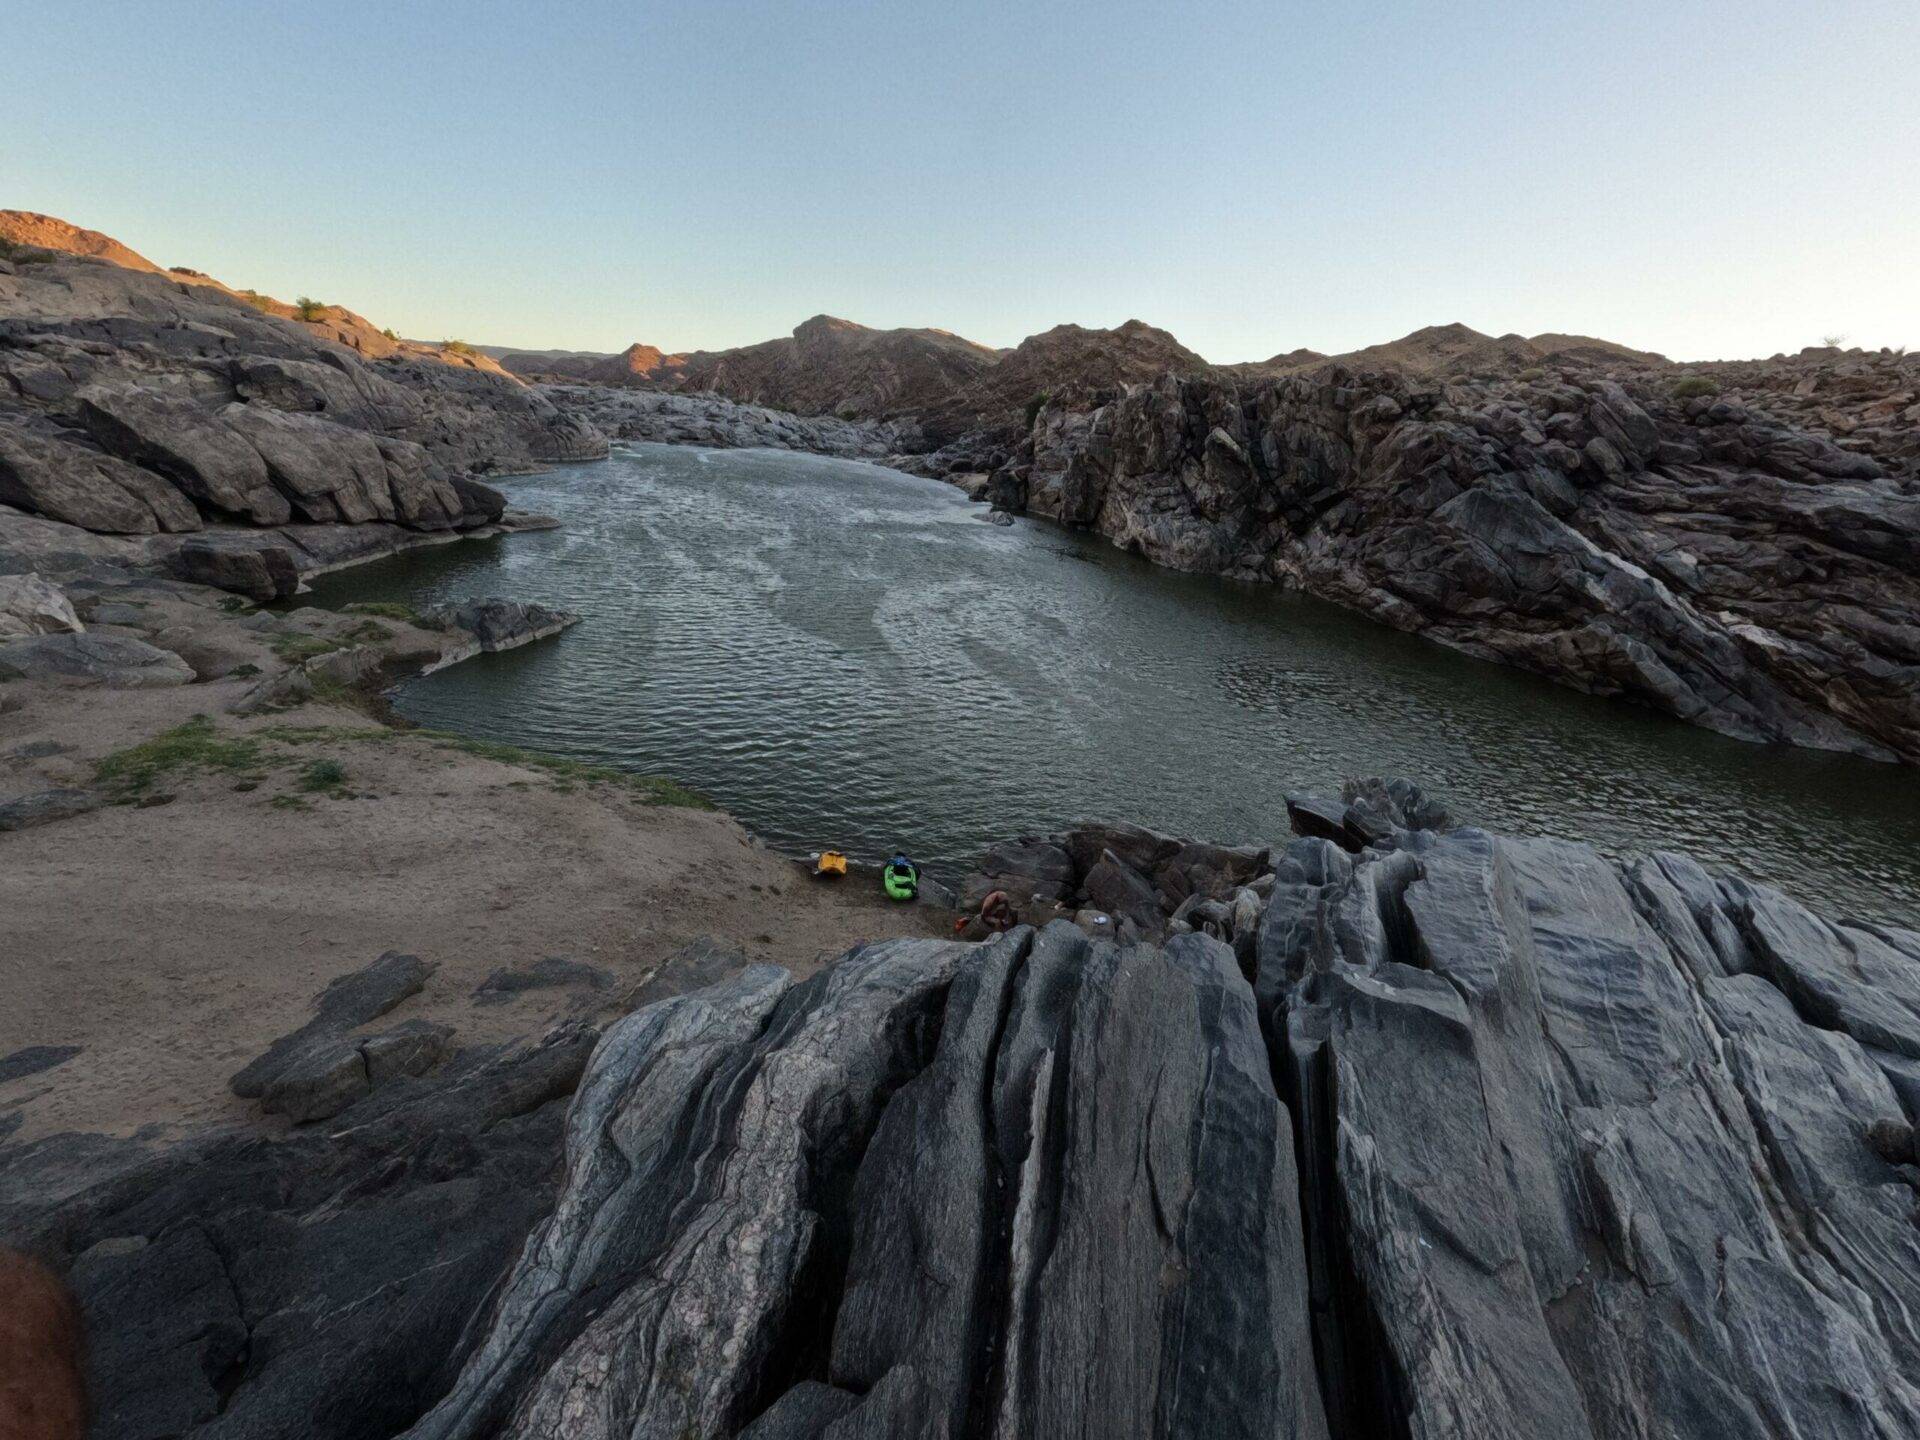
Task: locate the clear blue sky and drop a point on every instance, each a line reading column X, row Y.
column 1705, row 179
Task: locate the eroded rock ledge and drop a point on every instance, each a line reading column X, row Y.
column 1697, row 555
column 137, row 403
column 1471, row 1136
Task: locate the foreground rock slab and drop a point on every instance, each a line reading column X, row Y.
column 1459, row 1136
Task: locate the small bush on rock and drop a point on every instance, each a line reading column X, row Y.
column 23, row 254
column 297, row 647
column 309, row 309
column 1690, row 386
column 385, row 609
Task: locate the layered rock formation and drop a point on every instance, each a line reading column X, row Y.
column 1464, row 1136
column 1693, row 554
column 134, row 401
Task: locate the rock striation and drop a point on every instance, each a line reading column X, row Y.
column 1465, row 1135
column 1684, row 551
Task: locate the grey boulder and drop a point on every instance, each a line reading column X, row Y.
column 43, row 807
column 32, row 606
column 497, row 624
column 110, row 661
column 322, row 1068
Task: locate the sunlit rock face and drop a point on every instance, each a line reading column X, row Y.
column 135, row 401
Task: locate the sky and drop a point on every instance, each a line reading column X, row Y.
column 1704, row 178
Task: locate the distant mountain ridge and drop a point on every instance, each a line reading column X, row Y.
column 949, row 384
column 944, row 383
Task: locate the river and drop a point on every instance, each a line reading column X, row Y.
column 845, row 656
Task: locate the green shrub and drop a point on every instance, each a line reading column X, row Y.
column 262, row 303
column 1689, row 387
column 309, row 309
column 1035, row 406
column 23, row 254
column 367, row 632
column 295, row 647
column 323, row 734
column 385, row 609
column 388, row 332
column 1533, row 372
column 192, row 746
column 567, row 775
column 323, row 777
column 458, row 347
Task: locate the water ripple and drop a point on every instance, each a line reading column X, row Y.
column 842, row 655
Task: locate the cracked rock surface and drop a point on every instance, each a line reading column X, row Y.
column 1460, row 1135
column 133, row 402
column 1711, row 559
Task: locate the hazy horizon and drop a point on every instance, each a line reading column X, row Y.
column 1251, row 178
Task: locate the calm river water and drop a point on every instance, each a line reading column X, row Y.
column 842, row 655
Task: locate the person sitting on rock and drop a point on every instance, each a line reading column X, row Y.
column 900, row 879
column 996, row 912
column 994, row 917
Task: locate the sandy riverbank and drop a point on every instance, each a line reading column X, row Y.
column 174, row 932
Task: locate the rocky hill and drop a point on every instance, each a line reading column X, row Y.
column 136, row 401
column 32, row 232
column 1460, row 351
column 636, row 364
column 937, row 383
column 828, row 366
column 944, row 390
column 1660, row 541
column 1071, row 366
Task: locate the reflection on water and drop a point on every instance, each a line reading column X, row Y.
column 844, row 655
